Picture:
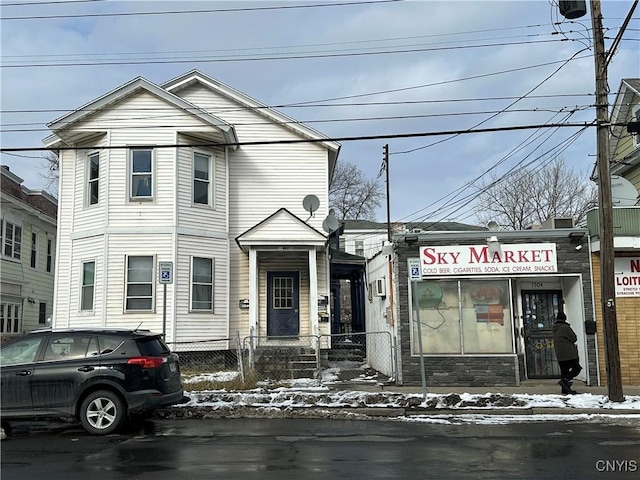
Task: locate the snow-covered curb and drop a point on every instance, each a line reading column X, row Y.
column 287, row 398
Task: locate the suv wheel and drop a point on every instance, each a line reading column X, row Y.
column 102, row 412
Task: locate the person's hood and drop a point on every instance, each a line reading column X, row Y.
column 558, row 324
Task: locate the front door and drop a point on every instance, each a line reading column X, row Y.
column 540, row 309
column 283, row 312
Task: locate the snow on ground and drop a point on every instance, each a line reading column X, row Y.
column 324, row 399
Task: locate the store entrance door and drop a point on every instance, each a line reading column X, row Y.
column 540, row 309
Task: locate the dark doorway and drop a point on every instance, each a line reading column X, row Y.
column 283, row 298
column 540, row 309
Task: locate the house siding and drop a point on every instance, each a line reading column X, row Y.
column 22, row 284
column 201, row 325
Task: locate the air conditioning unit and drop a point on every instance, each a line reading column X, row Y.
column 558, row 222
column 380, row 288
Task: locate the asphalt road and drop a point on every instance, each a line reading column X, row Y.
column 283, row 449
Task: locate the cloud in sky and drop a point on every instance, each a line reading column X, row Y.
column 417, row 52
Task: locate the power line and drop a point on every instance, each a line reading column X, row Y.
column 327, row 105
column 207, row 10
column 292, row 122
column 274, row 57
column 305, row 140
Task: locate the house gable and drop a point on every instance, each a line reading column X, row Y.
column 189, row 79
column 64, row 128
column 621, row 146
column 282, row 228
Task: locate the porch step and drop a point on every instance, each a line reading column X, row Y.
column 279, row 363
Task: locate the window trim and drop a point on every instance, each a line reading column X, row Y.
column 210, row 171
column 33, row 260
column 42, row 321
column 13, row 241
column 83, row 286
column 192, row 284
column 130, row 175
column 635, row 117
column 12, row 321
column 151, row 282
column 90, row 181
column 49, row 267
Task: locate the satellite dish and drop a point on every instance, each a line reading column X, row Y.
column 311, row 203
column 330, row 224
column 623, row 193
column 492, row 225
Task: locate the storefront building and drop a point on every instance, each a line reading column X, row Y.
column 479, row 307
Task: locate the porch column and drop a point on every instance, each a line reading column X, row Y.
column 313, row 292
column 253, row 292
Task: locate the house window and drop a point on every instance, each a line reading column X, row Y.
column 139, row 284
column 12, row 240
column 201, row 179
column 141, row 174
column 93, row 180
column 49, row 254
column 42, row 314
column 463, row 317
column 360, row 248
column 34, row 250
column 202, row 284
column 88, row 282
column 9, row 317
column 636, row 118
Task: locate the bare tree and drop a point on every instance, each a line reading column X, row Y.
column 353, row 196
column 51, row 172
column 530, row 196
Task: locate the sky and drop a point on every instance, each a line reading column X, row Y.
column 410, row 73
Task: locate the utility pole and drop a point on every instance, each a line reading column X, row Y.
column 385, row 161
column 605, row 208
column 607, row 250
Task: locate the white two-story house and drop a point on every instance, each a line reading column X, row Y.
column 199, row 184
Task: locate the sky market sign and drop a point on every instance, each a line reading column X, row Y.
column 523, row 258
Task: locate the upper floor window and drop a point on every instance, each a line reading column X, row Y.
column 88, row 281
column 202, row 284
column 360, row 248
column 141, row 170
column 12, row 240
column 93, row 178
column 202, row 178
column 49, row 255
column 34, row 250
column 139, row 284
column 636, row 118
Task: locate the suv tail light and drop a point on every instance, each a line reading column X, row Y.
column 147, row 362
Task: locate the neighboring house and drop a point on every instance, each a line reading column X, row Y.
column 366, row 238
column 198, row 174
column 28, row 242
column 624, row 151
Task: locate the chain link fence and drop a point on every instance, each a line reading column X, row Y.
column 254, row 361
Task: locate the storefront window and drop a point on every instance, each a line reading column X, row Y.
column 467, row 316
column 486, row 316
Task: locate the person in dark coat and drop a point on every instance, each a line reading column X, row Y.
column 564, row 341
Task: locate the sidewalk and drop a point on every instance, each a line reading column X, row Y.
column 527, row 387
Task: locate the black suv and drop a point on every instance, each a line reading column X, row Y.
column 99, row 376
